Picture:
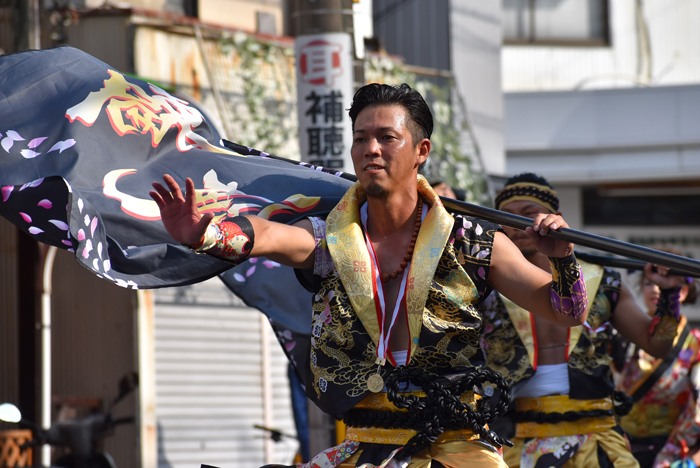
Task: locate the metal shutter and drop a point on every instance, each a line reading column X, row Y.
column 210, row 378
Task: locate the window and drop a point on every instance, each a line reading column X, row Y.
column 637, row 209
column 556, row 22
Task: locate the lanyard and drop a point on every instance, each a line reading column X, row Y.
column 379, row 298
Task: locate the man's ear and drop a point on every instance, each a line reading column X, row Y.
column 423, row 151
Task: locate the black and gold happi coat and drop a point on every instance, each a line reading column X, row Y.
column 447, row 279
column 510, row 341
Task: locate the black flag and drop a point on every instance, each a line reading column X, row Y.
column 80, row 144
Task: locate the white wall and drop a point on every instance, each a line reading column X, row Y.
column 675, row 53
column 633, row 134
column 475, row 29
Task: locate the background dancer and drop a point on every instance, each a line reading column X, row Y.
column 564, row 406
column 397, row 281
column 664, row 391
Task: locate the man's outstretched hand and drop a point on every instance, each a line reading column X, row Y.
column 179, row 214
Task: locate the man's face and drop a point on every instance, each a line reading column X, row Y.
column 383, row 151
column 529, row 210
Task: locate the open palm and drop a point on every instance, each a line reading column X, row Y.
column 179, row 214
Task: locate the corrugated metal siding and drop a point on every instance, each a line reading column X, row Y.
column 209, row 381
column 416, row 30
column 9, row 389
column 93, row 346
column 106, row 37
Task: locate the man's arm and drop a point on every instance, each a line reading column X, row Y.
column 526, row 284
column 290, row 245
column 634, row 324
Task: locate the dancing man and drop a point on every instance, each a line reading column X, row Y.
column 563, row 387
column 397, row 282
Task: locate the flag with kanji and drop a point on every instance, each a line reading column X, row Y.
column 80, row 145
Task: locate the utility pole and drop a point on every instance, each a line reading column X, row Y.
column 328, row 73
column 34, row 25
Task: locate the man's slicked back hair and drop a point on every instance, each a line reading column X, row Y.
column 373, row 94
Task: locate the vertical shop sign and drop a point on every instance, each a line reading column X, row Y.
column 324, row 93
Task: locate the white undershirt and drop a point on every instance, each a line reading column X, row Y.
column 400, row 357
column 548, row 380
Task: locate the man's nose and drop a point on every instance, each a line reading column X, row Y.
column 372, row 148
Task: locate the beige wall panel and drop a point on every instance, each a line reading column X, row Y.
column 9, row 346
column 93, row 346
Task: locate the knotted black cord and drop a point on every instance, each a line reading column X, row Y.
column 440, row 410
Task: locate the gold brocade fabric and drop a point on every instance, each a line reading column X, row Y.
column 379, row 435
column 348, row 249
column 651, row 419
column 457, row 454
column 510, row 341
column 447, row 278
column 563, row 404
column 571, row 452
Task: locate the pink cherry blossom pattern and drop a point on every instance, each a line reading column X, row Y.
column 36, row 142
column 26, row 217
column 6, row 191
column 45, row 204
column 87, row 248
column 62, row 145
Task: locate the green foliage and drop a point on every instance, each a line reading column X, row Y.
column 265, row 117
column 453, row 146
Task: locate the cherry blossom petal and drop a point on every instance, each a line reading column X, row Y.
column 250, row 271
column 14, row 135
column 6, row 190
column 87, row 249
column 81, row 235
column 32, row 184
column 96, row 264
column 107, row 265
column 93, row 226
column 45, row 204
column 270, row 264
column 26, row 217
column 87, row 220
column 36, row 142
column 29, row 154
column 67, row 242
column 35, row 230
column 59, row 224
column 238, row 277
column 80, row 204
column 7, row 143
column 62, row 145
column 253, row 260
column 99, row 249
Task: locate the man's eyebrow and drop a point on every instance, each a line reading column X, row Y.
column 381, row 129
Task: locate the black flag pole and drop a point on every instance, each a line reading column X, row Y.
column 585, row 239
column 626, row 263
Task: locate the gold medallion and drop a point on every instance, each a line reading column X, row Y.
column 375, row 383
